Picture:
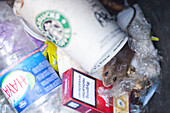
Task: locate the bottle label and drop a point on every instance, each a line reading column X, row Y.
column 28, row 79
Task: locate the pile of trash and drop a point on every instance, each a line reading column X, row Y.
column 74, row 54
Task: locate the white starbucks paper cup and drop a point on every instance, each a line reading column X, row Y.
column 82, row 28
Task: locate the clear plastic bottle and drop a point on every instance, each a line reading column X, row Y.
column 13, row 40
column 27, row 79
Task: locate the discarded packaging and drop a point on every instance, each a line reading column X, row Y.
column 49, row 49
column 27, row 79
column 142, row 79
column 80, row 92
column 28, row 73
column 83, row 29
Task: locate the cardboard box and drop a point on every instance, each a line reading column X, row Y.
column 80, row 92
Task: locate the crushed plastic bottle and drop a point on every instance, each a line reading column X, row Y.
column 12, row 46
column 27, row 79
column 4, row 105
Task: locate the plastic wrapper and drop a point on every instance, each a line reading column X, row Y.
column 126, row 85
column 142, row 79
column 140, row 91
column 49, row 51
column 147, row 57
column 140, row 32
column 148, row 67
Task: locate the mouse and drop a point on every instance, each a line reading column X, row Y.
column 116, row 69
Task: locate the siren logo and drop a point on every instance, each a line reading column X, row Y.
column 55, row 27
column 15, row 85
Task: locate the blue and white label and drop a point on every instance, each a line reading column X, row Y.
column 28, row 79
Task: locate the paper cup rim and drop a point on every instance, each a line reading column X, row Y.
column 32, row 32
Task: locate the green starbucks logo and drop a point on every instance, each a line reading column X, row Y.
column 55, row 27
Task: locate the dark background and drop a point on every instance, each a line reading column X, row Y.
column 157, row 12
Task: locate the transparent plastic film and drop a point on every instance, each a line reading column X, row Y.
column 139, row 78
